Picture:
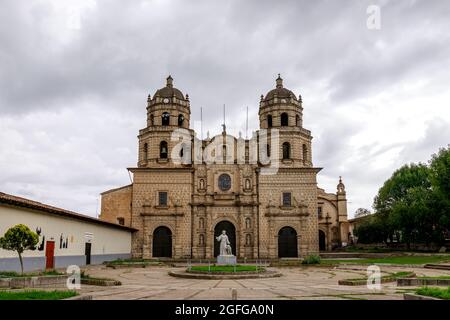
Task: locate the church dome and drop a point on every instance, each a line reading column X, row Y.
column 280, row 91
column 169, row 91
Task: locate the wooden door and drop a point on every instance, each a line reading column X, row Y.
column 50, row 255
column 87, row 252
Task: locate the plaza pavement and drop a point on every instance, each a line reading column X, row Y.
column 310, row 283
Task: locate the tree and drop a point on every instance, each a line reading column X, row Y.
column 440, row 184
column 19, row 238
column 396, row 205
column 362, row 212
column 370, row 230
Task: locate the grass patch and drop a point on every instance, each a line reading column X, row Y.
column 393, row 276
column 145, row 262
column 435, row 277
column 37, row 295
column 391, row 260
column 434, row 292
column 387, row 278
column 369, row 249
column 228, row 268
column 90, row 280
column 12, row 274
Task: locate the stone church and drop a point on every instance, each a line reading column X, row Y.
column 179, row 206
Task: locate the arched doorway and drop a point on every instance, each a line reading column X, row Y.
column 287, row 243
column 322, row 241
column 231, row 233
column 162, row 242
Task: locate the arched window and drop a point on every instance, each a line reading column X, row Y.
column 145, row 151
column 284, row 119
column 201, row 223
column 152, row 120
column 163, row 150
column 286, row 150
column 268, row 150
column 180, row 120
column 269, row 121
column 305, row 153
column 297, row 120
column 165, row 119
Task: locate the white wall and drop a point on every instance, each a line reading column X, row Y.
column 105, row 240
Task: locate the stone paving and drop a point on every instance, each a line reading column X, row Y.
column 310, row 283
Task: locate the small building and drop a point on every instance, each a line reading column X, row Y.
column 65, row 237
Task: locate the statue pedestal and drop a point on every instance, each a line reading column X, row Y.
column 226, row 260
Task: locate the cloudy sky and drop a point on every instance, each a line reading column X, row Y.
column 75, row 75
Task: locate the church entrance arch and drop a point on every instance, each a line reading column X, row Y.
column 162, row 243
column 231, row 233
column 287, row 243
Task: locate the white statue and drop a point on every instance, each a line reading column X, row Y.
column 225, row 248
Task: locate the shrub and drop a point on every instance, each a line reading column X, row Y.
column 311, row 259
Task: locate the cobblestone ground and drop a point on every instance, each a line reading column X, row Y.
column 295, row 283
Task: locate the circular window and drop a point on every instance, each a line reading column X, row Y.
column 224, row 182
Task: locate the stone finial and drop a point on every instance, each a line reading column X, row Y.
column 340, row 186
column 279, row 82
column 187, row 96
column 169, row 81
column 262, row 97
column 149, row 98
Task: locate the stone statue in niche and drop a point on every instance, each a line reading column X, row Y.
column 247, row 184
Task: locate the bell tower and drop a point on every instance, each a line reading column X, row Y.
column 167, row 111
column 281, row 109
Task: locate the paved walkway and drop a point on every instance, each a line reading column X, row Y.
column 296, row 283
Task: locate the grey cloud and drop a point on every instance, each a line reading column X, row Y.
column 72, row 101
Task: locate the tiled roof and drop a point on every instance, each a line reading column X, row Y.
column 11, row 200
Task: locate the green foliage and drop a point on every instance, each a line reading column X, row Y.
column 413, row 204
column 371, row 230
column 392, row 260
column 311, row 259
column 228, row 268
column 19, row 238
column 12, row 274
column 440, row 293
column 36, row 295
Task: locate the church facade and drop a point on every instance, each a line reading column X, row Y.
column 262, row 191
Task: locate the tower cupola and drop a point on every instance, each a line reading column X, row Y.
column 169, row 107
column 280, row 107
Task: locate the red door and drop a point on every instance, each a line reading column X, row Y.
column 50, row 255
